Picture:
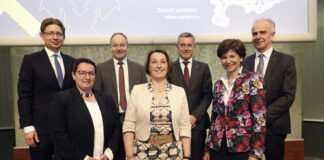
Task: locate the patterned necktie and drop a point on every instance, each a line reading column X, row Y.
column 261, row 64
column 122, row 94
column 186, row 72
column 58, row 71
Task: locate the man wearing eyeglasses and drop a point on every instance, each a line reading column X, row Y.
column 41, row 75
column 195, row 77
column 118, row 75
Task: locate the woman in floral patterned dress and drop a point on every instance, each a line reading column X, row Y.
column 237, row 131
column 157, row 125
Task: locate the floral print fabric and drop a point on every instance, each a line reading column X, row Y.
column 242, row 121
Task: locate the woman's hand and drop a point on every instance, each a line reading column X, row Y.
column 252, row 158
column 104, row 157
column 206, row 155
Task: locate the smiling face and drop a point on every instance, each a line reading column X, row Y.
column 53, row 37
column 262, row 36
column 84, row 76
column 119, row 47
column 186, row 47
column 231, row 62
column 158, row 66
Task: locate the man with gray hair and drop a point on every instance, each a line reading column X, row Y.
column 279, row 72
column 118, row 76
column 195, row 78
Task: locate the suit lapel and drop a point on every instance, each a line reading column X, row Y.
column 111, row 69
column 130, row 75
column 194, row 70
column 68, row 69
column 81, row 105
column 46, row 65
column 178, row 71
column 271, row 65
column 250, row 63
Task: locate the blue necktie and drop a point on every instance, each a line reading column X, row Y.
column 59, row 71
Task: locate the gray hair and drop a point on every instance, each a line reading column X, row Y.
column 272, row 23
column 118, row 33
column 187, row 35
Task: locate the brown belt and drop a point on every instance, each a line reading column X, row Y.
column 157, row 140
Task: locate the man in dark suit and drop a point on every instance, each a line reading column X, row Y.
column 41, row 75
column 118, row 75
column 195, row 78
column 279, row 73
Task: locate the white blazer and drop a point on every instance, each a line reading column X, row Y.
column 137, row 118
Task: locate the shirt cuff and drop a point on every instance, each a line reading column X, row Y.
column 109, row 154
column 28, row 129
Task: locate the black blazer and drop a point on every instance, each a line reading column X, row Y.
column 71, row 126
column 199, row 93
column 280, row 82
column 106, row 77
column 37, row 84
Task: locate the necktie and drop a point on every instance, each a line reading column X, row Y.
column 260, row 65
column 186, row 72
column 121, row 79
column 58, row 71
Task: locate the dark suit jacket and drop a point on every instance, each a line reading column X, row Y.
column 37, row 84
column 106, row 77
column 280, row 82
column 71, row 126
column 199, row 93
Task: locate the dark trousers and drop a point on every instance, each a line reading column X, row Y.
column 223, row 153
column 198, row 138
column 275, row 147
column 44, row 149
column 121, row 154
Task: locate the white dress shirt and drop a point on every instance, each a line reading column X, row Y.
column 99, row 138
column 266, row 59
column 50, row 55
column 229, row 88
column 126, row 78
column 189, row 65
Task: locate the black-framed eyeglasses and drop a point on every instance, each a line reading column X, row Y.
column 85, row 73
column 52, row 34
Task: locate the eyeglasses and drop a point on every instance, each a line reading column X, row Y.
column 85, row 73
column 52, row 34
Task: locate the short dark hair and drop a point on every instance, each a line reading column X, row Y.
column 83, row 60
column 49, row 21
column 186, row 35
column 231, row 44
column 118, row 33
column 148, row 59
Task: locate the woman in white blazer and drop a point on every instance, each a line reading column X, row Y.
column 157, row 124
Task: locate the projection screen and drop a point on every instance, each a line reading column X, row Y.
column 91, row 22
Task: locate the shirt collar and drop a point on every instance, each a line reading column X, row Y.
column 224, row 77
column 116, row 61
column 181, row 60
column 266, row 53
column 50, row 53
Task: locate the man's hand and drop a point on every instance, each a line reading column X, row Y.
column 193, row 120
column 30, row 138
